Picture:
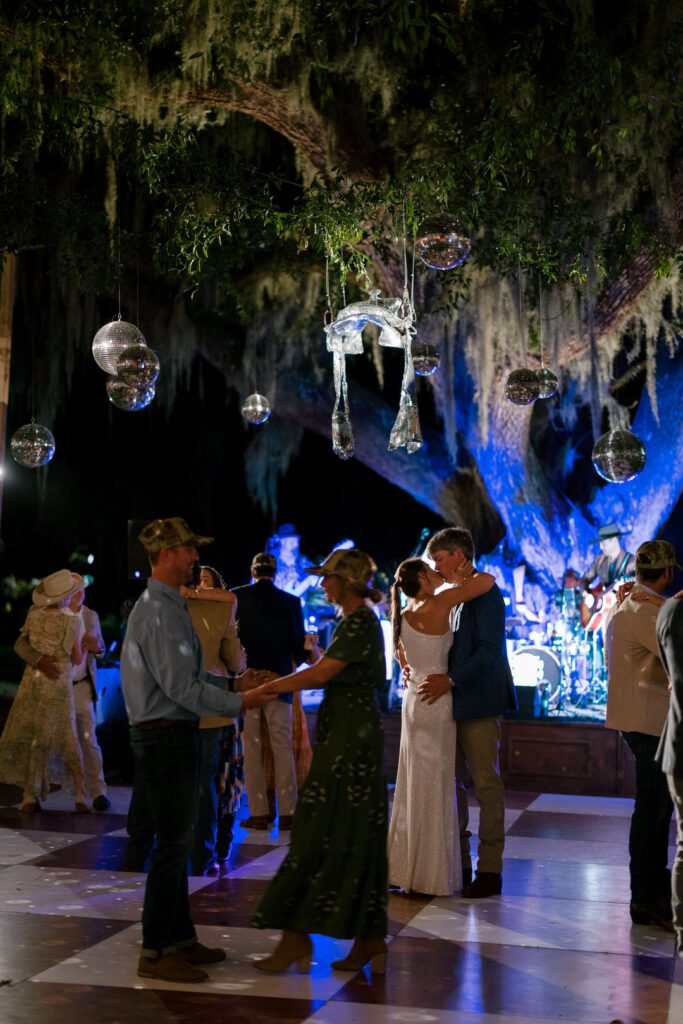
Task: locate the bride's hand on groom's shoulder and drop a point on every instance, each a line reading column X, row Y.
column 433, row 687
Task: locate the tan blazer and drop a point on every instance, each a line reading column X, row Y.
column 638, row 688
column 215, row 625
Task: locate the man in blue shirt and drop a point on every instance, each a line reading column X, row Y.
column 166, row 689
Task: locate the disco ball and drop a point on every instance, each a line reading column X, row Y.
column 128, row 397
column 256, row 409
column 522, row 387
column 138, row 366
column 32, row 445
column 426, row 360
column 547, row 382
column 112, row 340
column 442, row 244
column 618, row 456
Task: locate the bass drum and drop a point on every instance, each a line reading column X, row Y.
column 533, row 666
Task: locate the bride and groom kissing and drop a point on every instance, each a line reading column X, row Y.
column 450, row 642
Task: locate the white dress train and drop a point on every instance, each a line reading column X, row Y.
column 424, row 848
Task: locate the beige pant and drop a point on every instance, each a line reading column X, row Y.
column 87, row 738
column 478, row 744
column 278, row 716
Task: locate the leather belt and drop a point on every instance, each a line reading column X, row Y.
column 166, row 723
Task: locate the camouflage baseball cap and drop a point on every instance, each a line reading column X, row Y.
column 264, row 563
column 169, row 533
column 656, row 554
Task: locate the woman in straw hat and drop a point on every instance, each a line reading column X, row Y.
column 334, row 879
column 39, row 745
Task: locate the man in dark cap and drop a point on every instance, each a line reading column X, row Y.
column 166, row 690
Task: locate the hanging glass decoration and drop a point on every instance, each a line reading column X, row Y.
column 256, row 409
column 619, row 455
column 426, row 360
column 547, row 382
column 522, row 387
column 343, row 442
column 442, row 244
column 406, row 432
column 138, row 366
column 32, row 445
column 128, row 397
column 344, row 332
column 112, row 340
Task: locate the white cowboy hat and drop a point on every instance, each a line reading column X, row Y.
column 56, row 587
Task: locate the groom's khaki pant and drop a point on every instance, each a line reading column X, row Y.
column 478, row 745
column 278, row 716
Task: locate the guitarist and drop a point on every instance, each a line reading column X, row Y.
column 612, row 566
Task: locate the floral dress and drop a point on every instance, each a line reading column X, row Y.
column 334, row 879
column 39, row 744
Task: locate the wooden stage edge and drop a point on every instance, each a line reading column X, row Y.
column 544, row 756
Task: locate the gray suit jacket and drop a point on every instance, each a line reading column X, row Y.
column 91, row 624
column 670, row 639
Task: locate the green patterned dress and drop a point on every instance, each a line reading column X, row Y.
column 334, row 879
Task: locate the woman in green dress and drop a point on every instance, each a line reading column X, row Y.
column 334, row 879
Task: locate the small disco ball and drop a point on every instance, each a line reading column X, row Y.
column 112, row 340
column 256, row 409
column 547, row 382
column 32, row 445
column 138, row 366
column 442, row 244
column 426, row 360
column 618, row 456
column 522, row 387
column 128, row 397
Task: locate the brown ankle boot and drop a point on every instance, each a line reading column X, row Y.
column 362, row 951
column 293, row 947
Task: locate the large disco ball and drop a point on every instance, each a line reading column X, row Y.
column 522, row 387
column 256, row 409
column 547, row 382
column 32, row 445
column 112, row 340
column 138, row 366
column 128, row 397
column 618, row 456
column 442, row 244
column 426, row 360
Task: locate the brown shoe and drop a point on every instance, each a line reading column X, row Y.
column 169, row 967
column 256, row 821
column 199, row 954
column 486, row 883
column 285, row 822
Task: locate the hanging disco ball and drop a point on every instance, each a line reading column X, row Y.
column 547, row 382
column 32, row 445
column 256, row 409
column 138, row 366
column 442, row 244
column 522, row 387
column 128, row 397
column 112, row 340
column 618, row 456
column 426, row 360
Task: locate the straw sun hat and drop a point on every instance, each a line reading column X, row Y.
column 56, row 587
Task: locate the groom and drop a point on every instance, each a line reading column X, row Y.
column 481, row 680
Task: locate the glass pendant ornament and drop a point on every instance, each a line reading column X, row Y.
column 522, row 387
column 128, row 397
column 138, row 366
column 112, row 340
column 256, row 409
column 426, row 360
column 32, row 445
column 618, row 456
column 343, row 442
column 442, row 244
column 547, row 382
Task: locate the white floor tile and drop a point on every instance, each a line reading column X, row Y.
column 366, row 1013
column 601, row 806
column 261, row 867
column 17, row 847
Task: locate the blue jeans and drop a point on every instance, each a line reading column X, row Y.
column 648, row 842
column 166, row 765
column 206, row 828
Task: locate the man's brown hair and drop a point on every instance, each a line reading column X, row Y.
column 451, row 539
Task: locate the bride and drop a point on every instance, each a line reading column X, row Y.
column 424, row 851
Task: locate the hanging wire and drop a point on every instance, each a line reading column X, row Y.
column 33, row 367
column 343, row 274
column 119, row 262
column 137, row 278
column 328, row 317
column 522, row 325
column 540, row 318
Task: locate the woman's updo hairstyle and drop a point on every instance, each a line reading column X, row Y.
column 406, row 579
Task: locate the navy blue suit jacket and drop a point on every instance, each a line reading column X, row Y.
column 271, row 628
column 478, row 662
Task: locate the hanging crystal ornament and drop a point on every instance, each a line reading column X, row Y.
column 547, row 380
column 32, row 445
column 406, row 432
column 138, row 366
column 426, row 360
column 522, row 387
column 128, row 397
column 442, row 244
column 344, row 333
column 112, row 340
column 343, row 443
column 618, row 456
column 256, row 409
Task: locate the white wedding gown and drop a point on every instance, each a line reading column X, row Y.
column 424, row 846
